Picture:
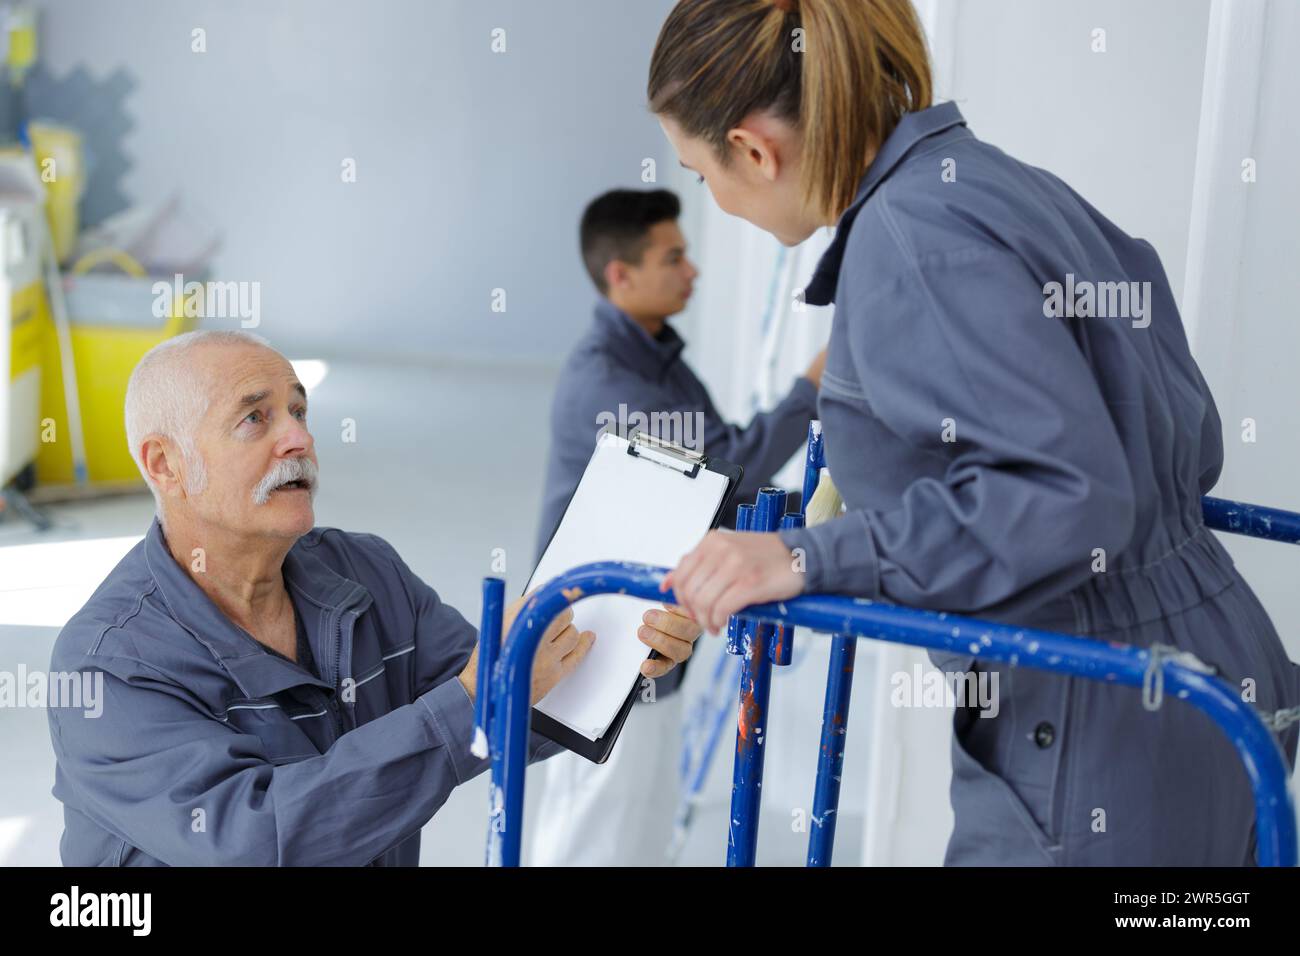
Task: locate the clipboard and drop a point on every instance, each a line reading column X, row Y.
column 640, row 499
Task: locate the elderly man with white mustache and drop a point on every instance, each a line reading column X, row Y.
column 274, row 693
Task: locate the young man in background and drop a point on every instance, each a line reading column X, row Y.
column 628, row 370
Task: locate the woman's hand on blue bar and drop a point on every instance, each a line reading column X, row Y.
column 729, row 571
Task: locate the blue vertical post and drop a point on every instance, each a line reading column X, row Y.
column 782, row 650
column 830, row 756
column 813, row 463
column 744, row 522
column 839, row 691
column 489, row 647
column 751, row 721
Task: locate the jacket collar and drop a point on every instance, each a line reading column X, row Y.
column 647, row 355
column 911, row 130
column 257, row 671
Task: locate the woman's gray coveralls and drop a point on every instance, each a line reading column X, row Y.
column 995, row 458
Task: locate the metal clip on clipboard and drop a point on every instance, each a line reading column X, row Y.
column 668, row 454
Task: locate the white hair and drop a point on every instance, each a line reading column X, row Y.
column 167, row 396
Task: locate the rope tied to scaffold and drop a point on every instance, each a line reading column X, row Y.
column 1153, row 683
column 1281, row 719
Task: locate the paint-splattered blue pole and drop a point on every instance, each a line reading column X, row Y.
column 782, row 649
column 830, row 757
column 1255, row 521
column 489, row 644
column 751, row 721
column 813, row 462
column 744, row 522
column 489, row 647
column 839, row 693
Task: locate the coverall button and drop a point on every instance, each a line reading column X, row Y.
column 1044, row 734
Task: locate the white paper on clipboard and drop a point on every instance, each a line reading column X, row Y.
column 626, row 508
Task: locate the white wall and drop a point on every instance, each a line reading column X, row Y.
column 473, row 167
column 1245, row 257
column 1120, row 126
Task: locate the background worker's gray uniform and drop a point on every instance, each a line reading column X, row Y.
column 618, row 363
column 1065, row 435
column 212, row 749
column 620, row 813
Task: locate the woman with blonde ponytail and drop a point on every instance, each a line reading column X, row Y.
column 1001, row 452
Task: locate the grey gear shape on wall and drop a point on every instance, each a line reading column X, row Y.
column 97, row 109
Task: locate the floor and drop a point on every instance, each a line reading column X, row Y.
column 448, row 472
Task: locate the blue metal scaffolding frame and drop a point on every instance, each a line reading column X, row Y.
column 762, row 636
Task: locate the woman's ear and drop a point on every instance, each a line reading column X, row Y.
column 755, row 151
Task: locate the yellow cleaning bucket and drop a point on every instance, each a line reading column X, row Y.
column 113, row 325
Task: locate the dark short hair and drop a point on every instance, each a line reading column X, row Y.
column 616, row 226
